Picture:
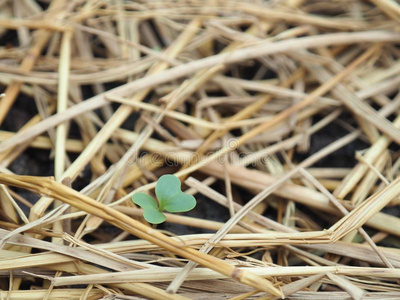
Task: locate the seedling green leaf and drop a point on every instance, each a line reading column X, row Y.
column 151, row 212
column 170, row 198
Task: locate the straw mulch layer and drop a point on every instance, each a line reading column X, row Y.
column 280, row 117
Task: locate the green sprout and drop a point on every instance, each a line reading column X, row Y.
column 170, row 198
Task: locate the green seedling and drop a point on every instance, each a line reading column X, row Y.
column 170, row 198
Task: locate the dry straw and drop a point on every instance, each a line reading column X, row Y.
column 249, row 103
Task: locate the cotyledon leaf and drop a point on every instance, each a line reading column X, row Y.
column 151, row 212
column 170, row 196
